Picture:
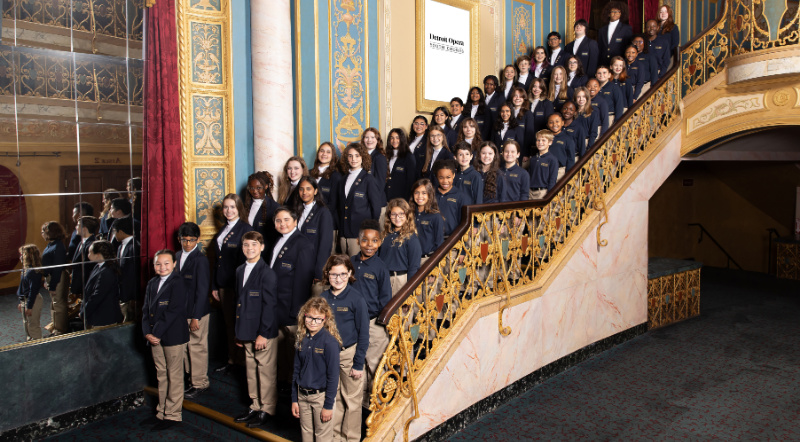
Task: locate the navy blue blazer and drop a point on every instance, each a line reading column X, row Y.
column 485, row 120
column 294, row 268
column 619, row 41
column 363, row 202
column 419, row 153
column 444, row 154
column 513, row 133
column 82, row 266
column 379, row 169
column 507, row 96
column 229, row 257
column 264, row 224
column 257, row 305
column 577, row 82
column 74, row 242
column 674, row 38
column 560, row 58
column 659, row 50
column 164, row 311
column 100, row 304
column 328, row 185
column 458, row 119
column 588, row 53
column 542, row 111
column 497, row 100
column 450, row 135
column 129, row 266
column 635, row 77
column 55, row 254
column 525, row 121
column 196, row 277
column 614, row 97
column 318, row 228
column 402, row 177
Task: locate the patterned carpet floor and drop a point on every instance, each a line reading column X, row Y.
column 11, row 328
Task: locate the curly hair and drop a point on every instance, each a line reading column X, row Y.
column 30, row 257
column 366, row 160
column 321, row 306
column 265, row 178
column 622, row 7
column 407, row 229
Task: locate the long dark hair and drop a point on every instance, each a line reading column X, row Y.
column 314, row 172
column 402, row 148
column 526, row 104
column 429, row 150
column 498, row 122
column 317, row 198
column 490, row 180
column 265, row 178
column 106, row 250
column 476, row 140
column 578, row 72
column 481, row 103
column 411, row 129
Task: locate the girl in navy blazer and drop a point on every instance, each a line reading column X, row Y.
column 226, row 249
column 470, row 134
column 260, row 205
column 56, row 278
column 437, row 150
column 508, row 79
column 540, row 65
column 576, row 77
column 506, row 127
column 481, row 113
column 558, row 91
column 428, row 219
column 619, row 75
column 294, row 169
column 487, row 163
column 402, row 166
column 293, row 261
column 541, row 107
column 441, row 118
column 164, row 328
column 357, row 198
column 29, row 291
column 325, row 170
column 418, row 144
column 666, row 22
column 524, row 75
column 101, row 292
column 521, row 109
column 316, row 223
column 371, row 139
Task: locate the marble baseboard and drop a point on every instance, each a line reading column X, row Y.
column 492, row 402
column 74, row 419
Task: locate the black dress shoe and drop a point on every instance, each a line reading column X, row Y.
column 250, row 415
column 193, row 392
column 261, row 419
column 164, row 425
column 225, row 369
column 152, row 420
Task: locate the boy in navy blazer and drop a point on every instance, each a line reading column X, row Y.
column 164, row 328
column 128, row 255
column 82, row 267
column 194, row 272
column 584, row 48
column 257, row 330
column 616, row 35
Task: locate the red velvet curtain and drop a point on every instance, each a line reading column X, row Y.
column 635, row 16
column 583, row 8
column 651, row 9
column 162, row 175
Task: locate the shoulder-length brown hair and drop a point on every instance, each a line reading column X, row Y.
column 408, row 228
column 31, row 257
column 285, row 184
column 243, row 213
column 319, row 304
column 338, row 260
column 432, row 206
column 366, row 160
column 53, row 231
column 314, row 172
column 429, row 151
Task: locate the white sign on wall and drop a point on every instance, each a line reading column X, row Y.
column 446, row 51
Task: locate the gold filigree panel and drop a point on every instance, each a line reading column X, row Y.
column 673, row 298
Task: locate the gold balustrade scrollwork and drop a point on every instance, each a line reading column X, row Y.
column 705, row 56
column 503, row 249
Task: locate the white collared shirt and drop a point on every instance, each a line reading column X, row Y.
column 225, row 231
column 533, row 104
column 393, row 160
column 570, row 77
column 248, row 268
column 254, row 210
column 578, row 41
column 489, row 97
column 612, row 26
column 503, row 130
column 322, row 170
column 435, row 154
column 414, row 143
column 306, row 210
column 123, row 245
column 554, row 56
column 509, row 85
column 351, row 178
column 279, row 245
column 524, row 77
column 516, row 112
column 468, row 140
column 184, row 256
column 454, row 121
column 473, row 111
column 161, row 282
column 538, row 70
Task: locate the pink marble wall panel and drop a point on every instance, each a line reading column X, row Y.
column 599, row 292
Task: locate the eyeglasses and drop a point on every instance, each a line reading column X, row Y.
column 314, row 320
column 437, row 136
column 338, row 275
column 187, row 240
column 397, row 215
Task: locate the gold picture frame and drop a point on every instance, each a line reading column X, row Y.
column 423, row 104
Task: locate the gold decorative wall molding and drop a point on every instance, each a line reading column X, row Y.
column 387, row 65
column 206, row 107
column 767, row 63
column 724, row 108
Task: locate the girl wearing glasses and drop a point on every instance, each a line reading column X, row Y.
column 352, row 320
column 418, row 141
column 437, row 149
column 315, row 381
column 401, row 250
column 260, row 205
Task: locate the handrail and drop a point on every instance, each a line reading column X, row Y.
column 719, row 246
column 466, row 212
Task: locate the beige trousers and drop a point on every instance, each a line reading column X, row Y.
column 169, row 362
column 347, row 411
column 128, row 310
column 397, row 282
column 349, row 246
column 561, row 172
column 286, row 337
column 317, row 288
column 378, row 341
column 311, row 425
column 32, row 324
column 196, row 363
column 262, row 375
column 59, row 309
column 537, row 194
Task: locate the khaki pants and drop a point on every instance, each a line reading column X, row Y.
column 317, row 288
column 285, row 356
column 128, row 310
column 349, row 246
column 645, row 88
column 169, row 364
column 397, row 282
column 196, row 363
column 611, row 120
column 32, row 324
column 537, row 194
column 561, row 172
column 262, row 375
column 382, row 217
column 378, row 341
column 311, row 425
column 59, row 307
column 347, row 411
column 227, row 297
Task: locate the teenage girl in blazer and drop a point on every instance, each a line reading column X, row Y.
column 441, row 118
column 316, row 223
column 418, row 141
column 588, row 116
column 508, row 80
column 479, row 111
column 437, row 150
column 294, row 169
column 226, row 249
column 521, row 110
column 371, row 139
column 260, row 205
column 666, row 22
column 357, row 198
column 558, row 91
column 541, row 107
column 507, row 128
column 470, row 134
column 402, row 166
column 101, row 293
column 540, row 67
column 293, row 262
column 325, row 170
column 487, row 163
column 430, row 224
column 29, row 291
column 620, row 77
column 576, row 77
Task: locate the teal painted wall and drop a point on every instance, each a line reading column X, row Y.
column 527, row 23
column 242, row 92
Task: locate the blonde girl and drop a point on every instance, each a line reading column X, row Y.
column 401, row 250
column 30, row 291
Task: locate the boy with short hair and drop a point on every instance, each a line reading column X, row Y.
column 257, row 330
column 450, row 199
column 468, row 180
column 128, row 254
column 544, row 166
column 194, row 271
column 611, row 93
column 563, row 145
column 517, row 184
